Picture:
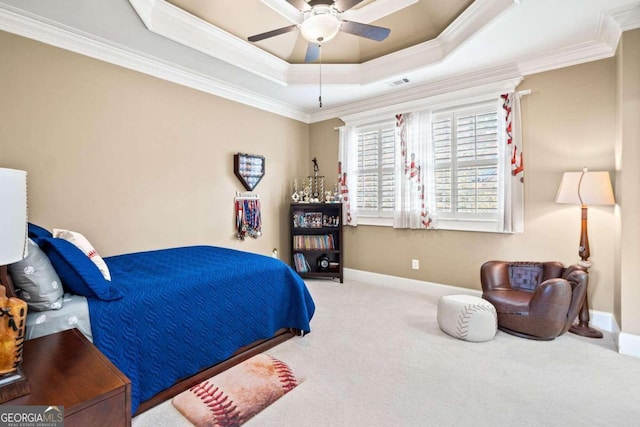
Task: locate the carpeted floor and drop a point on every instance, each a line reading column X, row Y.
column 376, row 357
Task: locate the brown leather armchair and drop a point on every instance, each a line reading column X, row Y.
column 535, row 300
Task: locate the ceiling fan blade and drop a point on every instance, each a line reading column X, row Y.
column 365, row 30
column 301, row 5
column 313, row 52
column 273, row 33
column 343, row 5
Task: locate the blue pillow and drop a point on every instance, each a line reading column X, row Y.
column 35, row 231
column 78, row 273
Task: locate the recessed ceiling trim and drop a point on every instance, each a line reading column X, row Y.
column 401, row 62
column 376, row 10
column 604, row 46
column 169, row 21
column 476, row 16
column 348, row 74
column 500, row 77
column 574, row 55
column 287, row 10
column 440, row 99
column 470, row 22
column 627, row 17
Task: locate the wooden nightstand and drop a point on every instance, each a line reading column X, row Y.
column 65, row 369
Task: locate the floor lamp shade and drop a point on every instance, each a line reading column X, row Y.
column 13, row 215
column 586, row 188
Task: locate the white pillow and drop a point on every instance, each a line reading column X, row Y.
column 83, row 244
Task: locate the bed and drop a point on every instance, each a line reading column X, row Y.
column 169, row 317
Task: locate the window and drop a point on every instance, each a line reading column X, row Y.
column 376, row 170
column 466, row 163
column 460, row 167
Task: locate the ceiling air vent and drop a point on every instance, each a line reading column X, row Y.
column 402, row 81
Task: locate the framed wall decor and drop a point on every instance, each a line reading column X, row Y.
column 249, row 169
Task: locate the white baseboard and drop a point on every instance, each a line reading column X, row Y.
column 412, row 284
column 627, row 343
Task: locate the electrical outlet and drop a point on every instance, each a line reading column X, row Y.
column 415, row 264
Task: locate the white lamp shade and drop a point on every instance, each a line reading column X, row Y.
column 586, row 188
column 13, row 215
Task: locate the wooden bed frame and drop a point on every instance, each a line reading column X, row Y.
column 239, row 356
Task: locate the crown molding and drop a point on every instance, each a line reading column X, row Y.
column 627, row 17
column 610, row 27
column 286, row 9
column 471, row 21
column 485, row 81
column 376, row 10
column 169, row 21
column 38, row 28
column 604, row 46
column 573, row 55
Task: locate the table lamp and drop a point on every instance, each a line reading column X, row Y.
column 585, row 188
column 13, row 311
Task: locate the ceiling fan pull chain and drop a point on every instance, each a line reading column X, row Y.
column 320, row 55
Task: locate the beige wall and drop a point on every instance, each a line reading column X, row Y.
column 324, row 138
column 628, row 177
column 138, row 163
column 570, row 122
column 135, row 162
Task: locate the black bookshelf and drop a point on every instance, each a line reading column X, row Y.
column 316, row 240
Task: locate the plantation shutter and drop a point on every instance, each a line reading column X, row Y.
column 376, row 161
column 466, row 163
column 442, row 143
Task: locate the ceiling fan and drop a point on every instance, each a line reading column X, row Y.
column 320, row 21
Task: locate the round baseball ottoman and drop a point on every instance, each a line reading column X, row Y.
column 467, row 317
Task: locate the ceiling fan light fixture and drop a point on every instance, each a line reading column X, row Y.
column 321, row 25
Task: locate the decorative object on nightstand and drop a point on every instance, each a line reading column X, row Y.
column 585, row 188
column 249, row 169
column 13, row 311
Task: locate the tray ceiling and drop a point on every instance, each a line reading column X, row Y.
column 447, row 46
column 420, row 21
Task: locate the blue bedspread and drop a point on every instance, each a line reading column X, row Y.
column 189, row 308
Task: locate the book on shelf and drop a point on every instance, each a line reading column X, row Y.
column 301, row 263
column 313, row 242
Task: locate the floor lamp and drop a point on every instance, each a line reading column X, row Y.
column 13, row 311
column 585, row 188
